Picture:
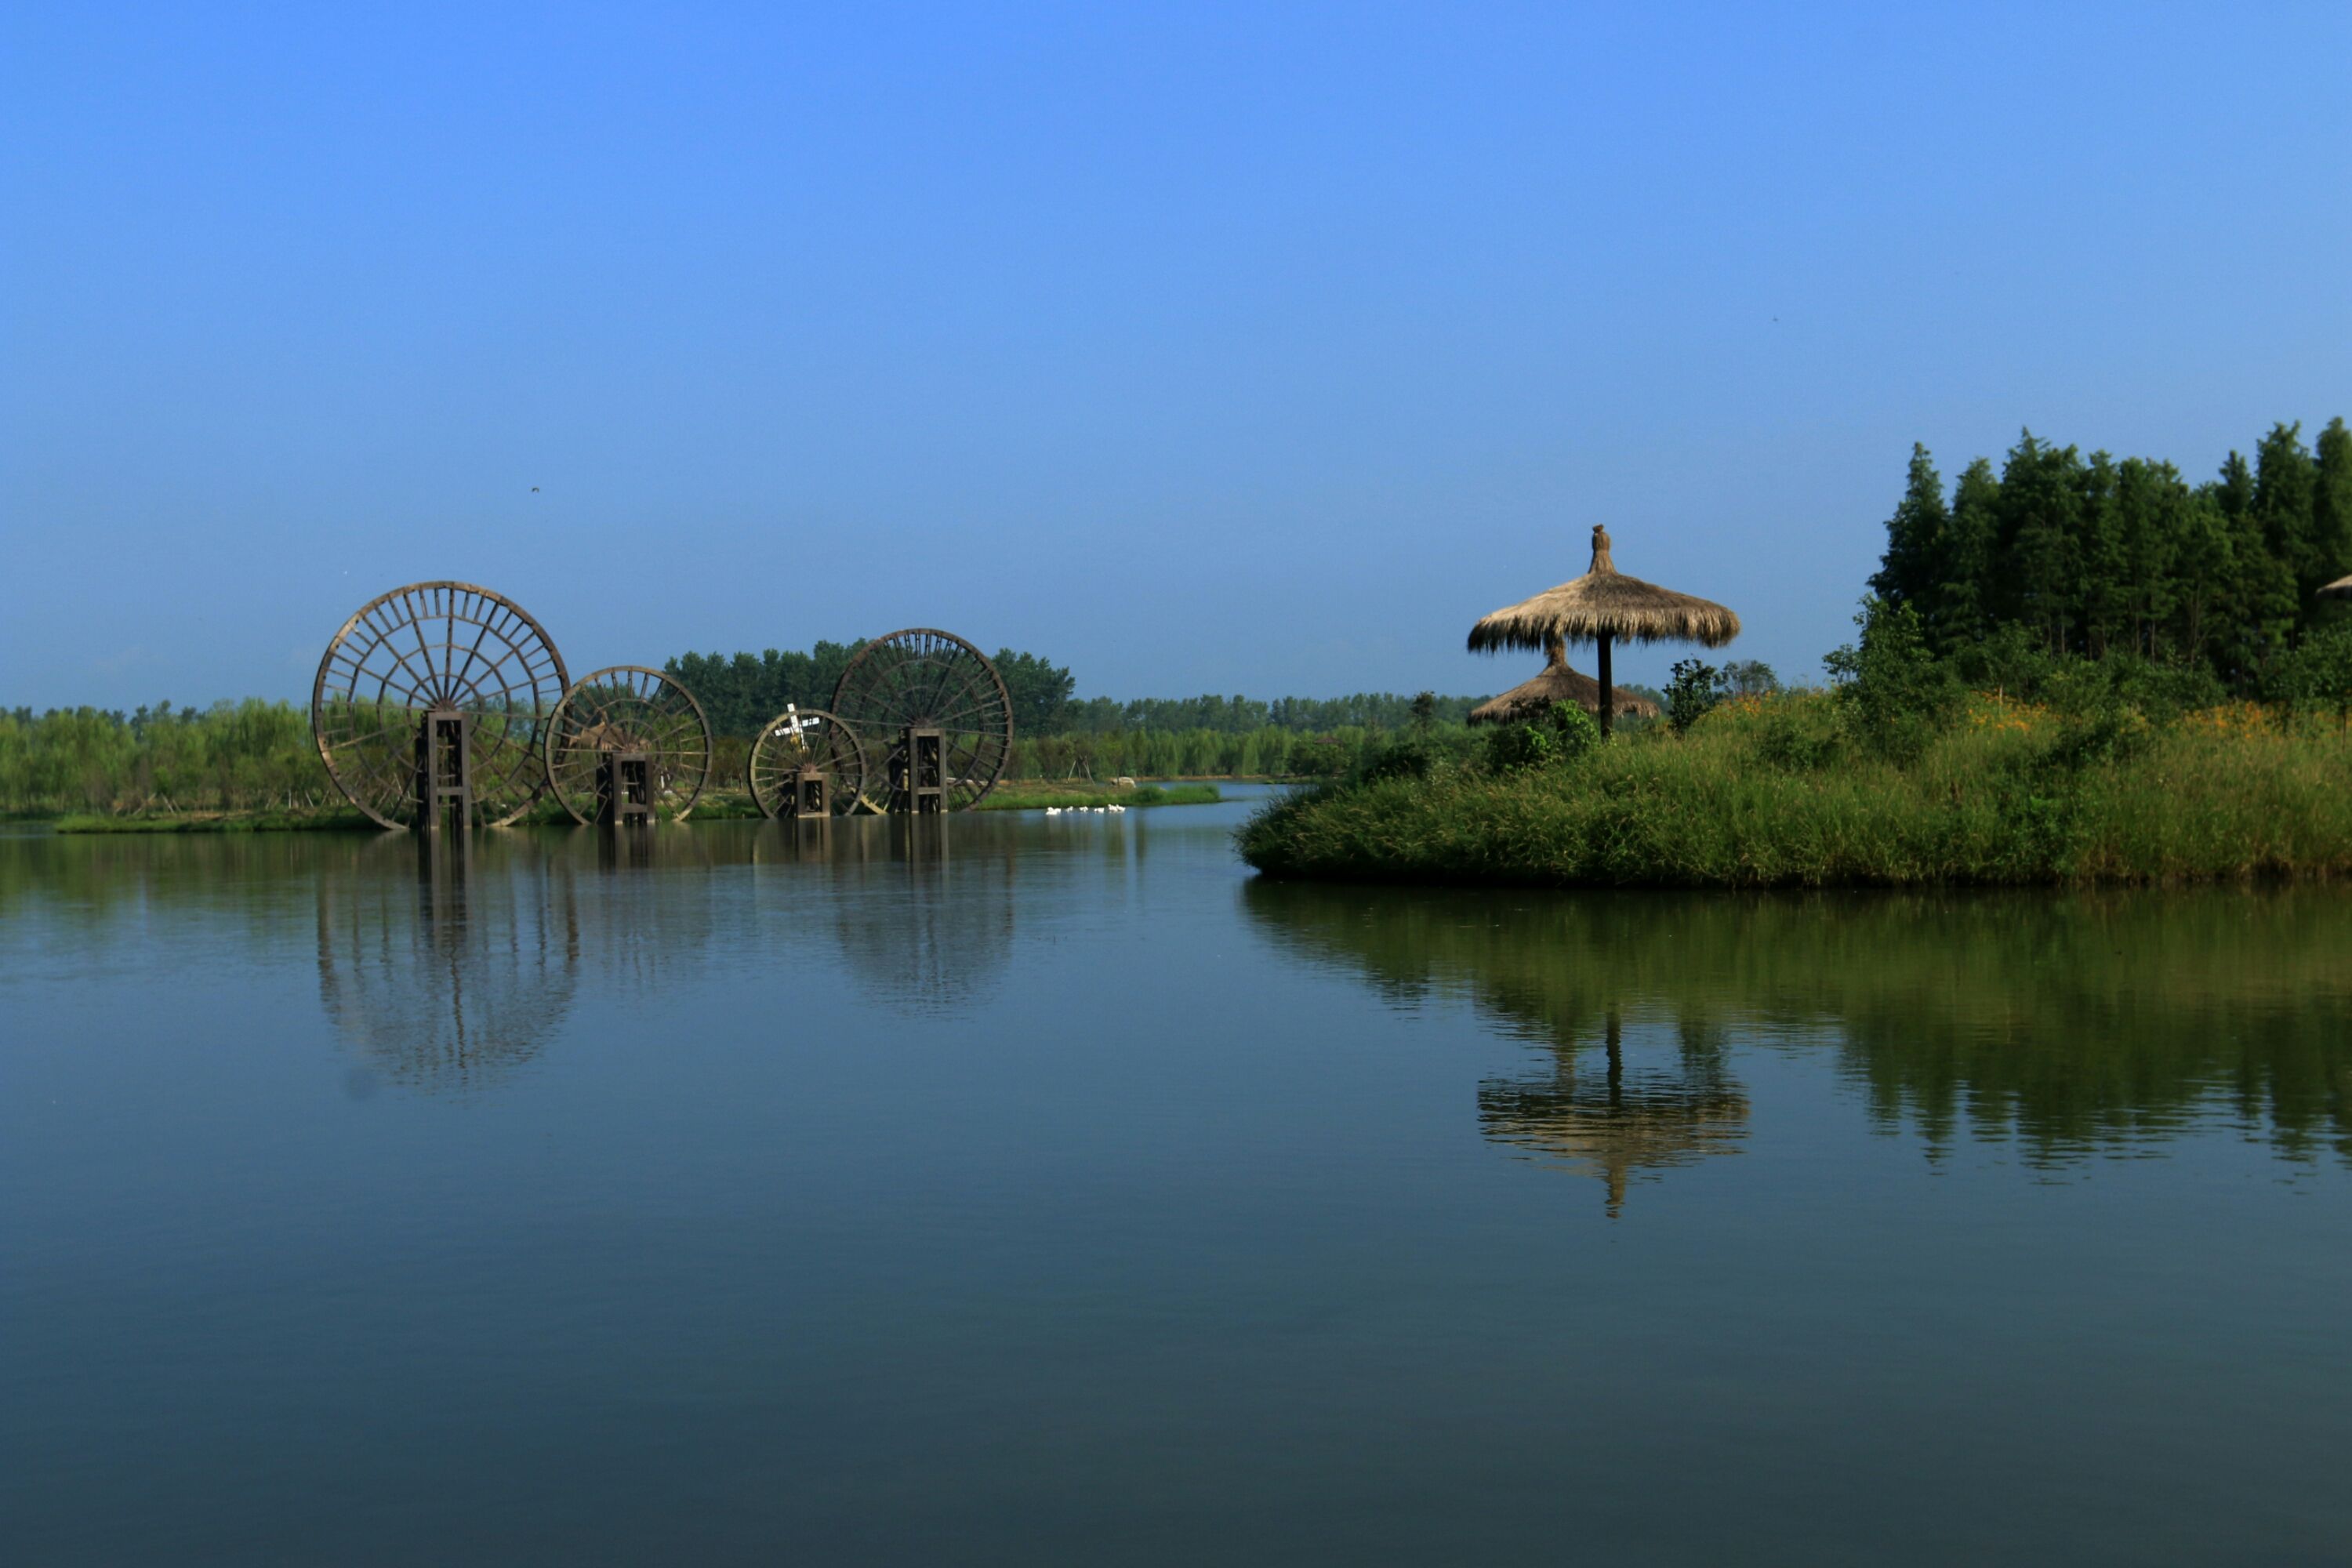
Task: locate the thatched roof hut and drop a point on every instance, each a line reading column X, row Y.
column 2339, row 589
column 1557, row 684
column 1602, row 607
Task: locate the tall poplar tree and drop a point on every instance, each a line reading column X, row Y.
column 2205, row 574
column 2285, row 486
column 2151, row 527
column 1912, row 571
column 2102, row 572
column 2037, row 542
column 2259, row 610
column 1970, row 537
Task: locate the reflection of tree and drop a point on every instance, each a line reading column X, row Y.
column 448, row 959
column 2070, row 1024
column 919, row 927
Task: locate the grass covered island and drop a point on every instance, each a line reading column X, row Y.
column 2071, row 671
column 1777, row 792
column 2107, row 772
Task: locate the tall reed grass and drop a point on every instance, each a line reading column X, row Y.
column 1782, row 793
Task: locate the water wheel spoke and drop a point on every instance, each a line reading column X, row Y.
column 427, row 647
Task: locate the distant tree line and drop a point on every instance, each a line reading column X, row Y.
column 1269, row 752
column 2089, row 557
column 1239, row 715
column 233, row 756
column 742, row 691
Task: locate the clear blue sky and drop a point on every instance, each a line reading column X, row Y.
column 1255, row 350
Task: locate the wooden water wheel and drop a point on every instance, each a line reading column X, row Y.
column 628, row 712
column 430, row 705
column 926, row 681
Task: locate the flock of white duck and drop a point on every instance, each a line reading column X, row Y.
column 1086, row 810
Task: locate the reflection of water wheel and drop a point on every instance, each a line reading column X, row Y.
column 925, row 679
column 920, row 934
column 446, row 651
column 811, row 738
column 628, row 712
column 450, row 967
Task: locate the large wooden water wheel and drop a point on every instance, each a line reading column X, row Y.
column 430, row 704
column 632, row 717
column 925, row 680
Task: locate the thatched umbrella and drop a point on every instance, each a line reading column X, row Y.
column 2339, row 589
column 1558, row 683
column 1605, row 606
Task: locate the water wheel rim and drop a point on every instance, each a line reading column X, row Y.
column 977, row 717
column 676, row 739
column 371, row 767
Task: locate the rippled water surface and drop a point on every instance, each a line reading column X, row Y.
column 1030, row 1190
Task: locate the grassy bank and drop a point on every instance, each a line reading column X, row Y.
column 1782, row 792
column 227, row 822
column 716, row 805
column 1032, row 797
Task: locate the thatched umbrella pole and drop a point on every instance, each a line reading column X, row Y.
column 1607, row 695
column 1604, row 606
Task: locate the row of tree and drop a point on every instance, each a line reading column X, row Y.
column 2092, row 555
column 233, row 756
column 1268, row 751
column 1240, row 715
column 742, row 691
column 257, row 755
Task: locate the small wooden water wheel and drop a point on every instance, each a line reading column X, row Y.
column 937, row 710
column 628, row 744
column 430, row 704
column 807, row 763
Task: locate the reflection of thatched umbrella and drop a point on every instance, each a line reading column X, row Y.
column 1557, row 684
column 1605, row 606
column 1618, row 1130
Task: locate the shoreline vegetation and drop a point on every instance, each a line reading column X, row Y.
column 2073, row 671
column 1774, row 792
column 716, row 805
column 252, row 766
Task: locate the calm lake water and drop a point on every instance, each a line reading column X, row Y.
column 1048, row 1190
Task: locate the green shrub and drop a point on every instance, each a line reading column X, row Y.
column 1691, row 693
column 1799, row 734
column 1416, row 755
column 1514, row 748
column 2110, row 733
column 1574, row 732
column 1563, row 734
column 2318, row 675
column 1896, row 695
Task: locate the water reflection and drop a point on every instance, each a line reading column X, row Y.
column 921, row 928
column 447, row 960
column 1617, row 1126
column 2069, row 1025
